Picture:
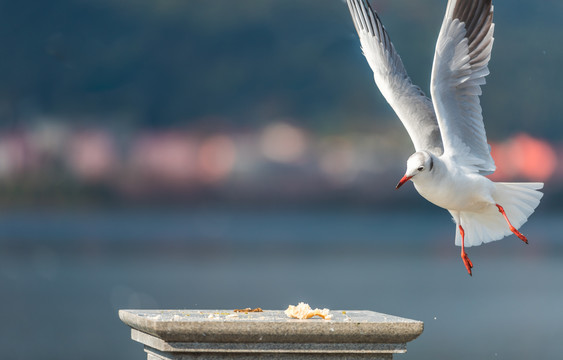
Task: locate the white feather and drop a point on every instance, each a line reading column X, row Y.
column 519, row 201
column 413, row 108
column 458, row 71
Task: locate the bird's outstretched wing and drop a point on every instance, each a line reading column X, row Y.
column 410, row 104
column 462, row 53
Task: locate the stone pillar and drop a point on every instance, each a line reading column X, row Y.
column 224, row 334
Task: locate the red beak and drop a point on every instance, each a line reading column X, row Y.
column 403, row 180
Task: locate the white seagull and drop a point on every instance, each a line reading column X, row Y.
column 452, row 155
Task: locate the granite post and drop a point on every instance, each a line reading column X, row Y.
column 225, row 334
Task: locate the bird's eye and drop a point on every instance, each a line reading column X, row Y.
column 421, row 168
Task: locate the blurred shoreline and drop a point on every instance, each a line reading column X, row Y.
column 280, row 162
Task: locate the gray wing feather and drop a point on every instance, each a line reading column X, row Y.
column 411, row 105
column 463, row 51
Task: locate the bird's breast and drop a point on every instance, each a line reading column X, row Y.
column 455, row 193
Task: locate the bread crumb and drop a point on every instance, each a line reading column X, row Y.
column 304, row 311
column 247, row 310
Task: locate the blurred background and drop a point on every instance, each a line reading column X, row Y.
column 228, row 154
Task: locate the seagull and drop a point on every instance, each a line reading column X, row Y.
column 452, row 156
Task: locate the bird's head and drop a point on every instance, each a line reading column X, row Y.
column 418, row 163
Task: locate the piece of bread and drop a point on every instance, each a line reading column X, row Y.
column 304, row 311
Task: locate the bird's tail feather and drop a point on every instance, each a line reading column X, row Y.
column 519, row 201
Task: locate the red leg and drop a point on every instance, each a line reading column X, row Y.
column 468, row 264
column 512, row 228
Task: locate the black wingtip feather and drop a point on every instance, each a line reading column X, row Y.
column 477, row 15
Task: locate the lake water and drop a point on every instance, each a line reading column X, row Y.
column 64, row 275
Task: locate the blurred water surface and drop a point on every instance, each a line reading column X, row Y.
column 65, row 275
